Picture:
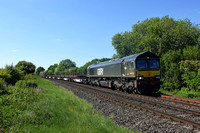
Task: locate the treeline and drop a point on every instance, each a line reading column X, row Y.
column 68, row 67
column 177, row 42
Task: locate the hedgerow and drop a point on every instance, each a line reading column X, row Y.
column 17, row 91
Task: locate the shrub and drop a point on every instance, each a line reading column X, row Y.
column 28, row 67
column 10, row 74
column 4, row 75
column 2, row 87
column 28, row 76
column 26, row 84
column 191, row 75
column 1, row 83
column 185, row 92
column 171, row 74
column 12, row 103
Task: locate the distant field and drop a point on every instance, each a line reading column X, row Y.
column 58, row 110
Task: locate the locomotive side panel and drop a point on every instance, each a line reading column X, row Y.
column 111, row 70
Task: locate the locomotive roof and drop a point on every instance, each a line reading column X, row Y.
column 119, row 60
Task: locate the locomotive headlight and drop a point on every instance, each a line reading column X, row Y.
column 157, row 77
column 140, row 77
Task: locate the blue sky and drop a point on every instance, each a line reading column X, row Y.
column 45, row 32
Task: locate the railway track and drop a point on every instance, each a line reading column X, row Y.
column 164, row 99
column 139, row 101
column 181, row 99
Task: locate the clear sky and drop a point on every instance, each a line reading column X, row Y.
column 45, row 32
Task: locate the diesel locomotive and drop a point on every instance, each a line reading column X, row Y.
column 138, row 73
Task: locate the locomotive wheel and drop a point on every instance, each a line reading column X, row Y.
column 124, row 89
column 134, row 90
column 138, row 92
column 114, row 87
column 130, row 89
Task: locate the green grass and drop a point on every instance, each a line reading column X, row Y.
column 59, row 110
column 13, row 102
column 184, row 92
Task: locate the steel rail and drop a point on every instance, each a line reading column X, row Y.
column 168, row 100
column 181, row 99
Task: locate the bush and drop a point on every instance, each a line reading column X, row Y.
column 2, row 84
column 25, row 66
column 10, row 74
column 26, row 84
column 171, row 74
column 190, row 74
column 2, row 87
column 4, row 75
column 28, row 76
column 12, row 105
column 185, row 92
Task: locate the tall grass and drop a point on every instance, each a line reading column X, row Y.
column 13, row 101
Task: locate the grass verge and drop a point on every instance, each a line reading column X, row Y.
column 59, row 110
column 184, row 92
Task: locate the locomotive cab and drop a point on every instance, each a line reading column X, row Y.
column 148, row 73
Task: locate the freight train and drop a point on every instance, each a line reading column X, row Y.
column 138, row 73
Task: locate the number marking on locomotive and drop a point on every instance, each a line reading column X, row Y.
column 100, row 71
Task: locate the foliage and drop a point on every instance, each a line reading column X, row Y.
column 73, row 70
column 157, row 35
column 191, row 53
column 13, row 102
column 123, row 43
column 26, row 83
column 42, row 74
column 14, row 99
column 171, row 74
column 191, row 75
column 25, row 66
column 29, row 76
column 39, row 69
column 52, row 69
column 183, row 92
column 10, row 74
column 177, row 72
column 65, row 64
column 83, row 70
column 4, row 76
column 1, row 83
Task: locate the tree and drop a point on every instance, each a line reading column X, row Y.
column 25, row 66
column 191, row 53
column 83, row 70
column 157, row 35
column 65, row 64
column 39, row 69
column 171, row 74
column 181, row 68
column 51, row 69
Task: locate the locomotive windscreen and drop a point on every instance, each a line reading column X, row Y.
column 151, row 63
